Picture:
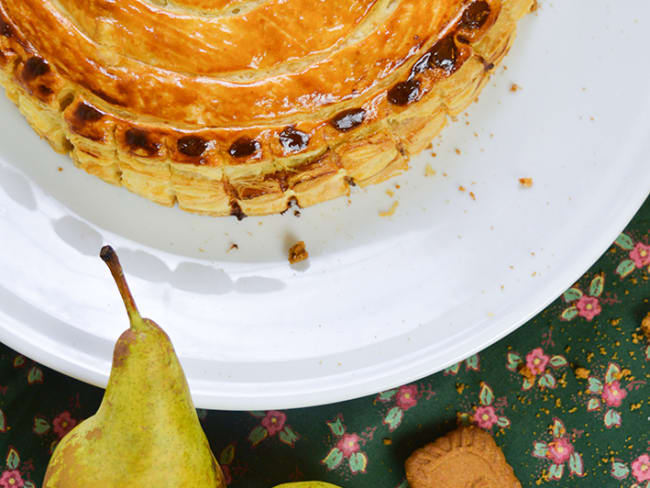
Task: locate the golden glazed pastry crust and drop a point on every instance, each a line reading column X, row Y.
column 240, row 106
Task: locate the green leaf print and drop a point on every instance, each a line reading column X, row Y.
column 35, row 375
column 624, row 242
column 227, row 455
column 558, row 361
column 288, row 436
column 394, row 418
column 387, row 395
column 13, row 459
column 40, row 426
column 612, row 418
column 358, row 462
column 597, row 285
column 503, row 422
column 19, row 361
column 547, row 381
column 514, row 360
column 595, row 385
column 569, row 313
column 593, row 404
column 620, row 471
column 572, row 294
column 337, row 427
column 558, row 428
column 555, row 471
column 540, row 449
column 487, row 395
column 576, row 465
column 625, row 267
column 257, row 435
column 333, row 459
column 613, row 370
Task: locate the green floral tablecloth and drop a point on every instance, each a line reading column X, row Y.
column 566, row 396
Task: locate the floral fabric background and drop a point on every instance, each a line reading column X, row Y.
column 567, row 397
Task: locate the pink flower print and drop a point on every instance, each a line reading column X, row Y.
column 485, row 417
column 588, row 307
column 274, row 421
column 11, row 479
column 613, row 394
column 560, row 450
column 63, row 423
column 348, row 444
column 640, row 468
column 536, row 361
column 407, row 397
column 640, row 255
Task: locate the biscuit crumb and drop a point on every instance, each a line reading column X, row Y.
column 390, row 193
column 457, row 151
column 582, row 373
column 296, row 213
column 387, row 441
column 232, row 247
column 433, row 154
column 526, row 182
column 429, row 171
column 472, row 196
column 514, row 88
column 390, row 211
column 645, row 326
column 461, row 188
column 298, row 252
column 527, row 373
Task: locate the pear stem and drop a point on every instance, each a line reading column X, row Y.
column 109, row 256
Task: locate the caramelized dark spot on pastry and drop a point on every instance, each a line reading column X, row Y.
column 138, row 139
column 192, row 146
column 293, row 140
column 5, row 29
column 404, row 92
column 475, row 15
column 462, row 39
column 350, row 181
column 444, row 54
column 45, row 90
column 244, row 147
column 35, row 67
column 236, row 210
column 86, row 113
column 349, row 119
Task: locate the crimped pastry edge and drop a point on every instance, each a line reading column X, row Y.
column 373, row 153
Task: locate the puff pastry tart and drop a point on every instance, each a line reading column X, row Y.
column 240, row 106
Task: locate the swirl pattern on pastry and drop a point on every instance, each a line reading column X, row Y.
column 239, row 106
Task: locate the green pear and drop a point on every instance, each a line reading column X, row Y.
column 146, row 432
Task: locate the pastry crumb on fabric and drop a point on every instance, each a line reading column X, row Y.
column 472, row 196
column 390, row 211
column 390, row 193
column 514, row 87
column 645, row 326
column 527, row 373
column 461, row 188
column 232, row 247
column 429, row 171
column 457, row 151
column 526, row 182
column 60, row 168
column 467, row 457
column 298, row 252
column 582, row 373
column 387, row 442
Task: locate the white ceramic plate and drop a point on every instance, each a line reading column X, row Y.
column 383, row 301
